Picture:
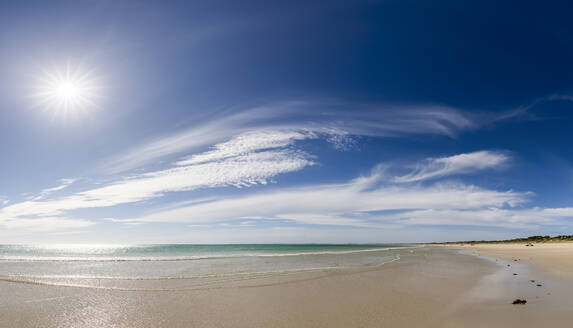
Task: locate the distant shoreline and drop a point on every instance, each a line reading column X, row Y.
column 551, row 256
column 531, row 239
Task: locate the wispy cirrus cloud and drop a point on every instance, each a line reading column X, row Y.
column 254, row 157
column 336, row 122
column 247, row 143
column 263, row 155
column 250, row 147
column 378, row 200
column 44, row 223
column 360, row 202
column 486, row 217
column 25, row 221
column 458, row 164
column 64, row 183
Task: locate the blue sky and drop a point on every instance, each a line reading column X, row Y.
column 297, row 121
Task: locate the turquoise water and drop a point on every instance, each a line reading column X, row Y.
column 174, row 267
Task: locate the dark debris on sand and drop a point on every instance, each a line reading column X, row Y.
column 519, row 301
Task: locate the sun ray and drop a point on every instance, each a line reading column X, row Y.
column 68, row 91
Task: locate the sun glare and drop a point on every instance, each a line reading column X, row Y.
column 68, row 91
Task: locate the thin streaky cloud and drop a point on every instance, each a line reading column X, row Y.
column 356, row 205
column 43, row 223
column 64, row 183
column 247, row 143
column 458, row 164
column 241, row 169
column 252, row 158
column 351, row 203
column 495, row 217
column 334, row 121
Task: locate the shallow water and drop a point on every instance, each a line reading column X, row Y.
column 180, row 267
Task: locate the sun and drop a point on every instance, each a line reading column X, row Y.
column 67, row 91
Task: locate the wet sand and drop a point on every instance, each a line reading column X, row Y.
column 427, row 287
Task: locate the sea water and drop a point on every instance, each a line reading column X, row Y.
column 180, row 267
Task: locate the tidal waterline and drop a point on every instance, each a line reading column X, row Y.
column 180, row 266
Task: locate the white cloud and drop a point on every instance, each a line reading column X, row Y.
column 360, row 204
column 554, row 212
column 242, row 170
column 489, row 217
column 457, row 164
column 317, row 218
column 336, row 122
column 247, row 143
column 205, row 134
column 44, row 223
column 326, row 234
column 254, row 157
column 357, row 203
column 254, row 163
column 509, row 218
column 64, row 183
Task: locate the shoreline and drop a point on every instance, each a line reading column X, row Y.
column 553, row 258
column 427, row 287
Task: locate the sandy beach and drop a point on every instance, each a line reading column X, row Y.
column 427, row 287
column 552, row 258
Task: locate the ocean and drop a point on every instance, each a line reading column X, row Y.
column 183, row 267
